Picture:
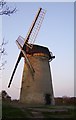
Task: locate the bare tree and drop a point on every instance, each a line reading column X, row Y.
column 4, row 10
column 2, row 53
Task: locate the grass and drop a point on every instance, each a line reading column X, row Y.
column 58, row 114
column 57, row 111
column 10, row 111
column 0, row 109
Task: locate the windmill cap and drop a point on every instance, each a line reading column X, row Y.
column 39, row 49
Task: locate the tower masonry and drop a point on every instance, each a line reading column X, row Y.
column 37, row 88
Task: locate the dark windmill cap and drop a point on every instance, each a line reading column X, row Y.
column 39, row 49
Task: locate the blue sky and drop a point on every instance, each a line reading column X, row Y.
column 56, row 33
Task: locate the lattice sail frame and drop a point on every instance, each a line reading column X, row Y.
column 34, row 32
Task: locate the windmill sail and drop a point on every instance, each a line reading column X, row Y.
column 27, row 60
column 34, row 29
column 30, row 37
column 18, row 60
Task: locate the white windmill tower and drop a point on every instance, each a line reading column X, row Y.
column 36, row 85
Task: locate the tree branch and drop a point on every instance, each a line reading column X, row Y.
column 6, row 10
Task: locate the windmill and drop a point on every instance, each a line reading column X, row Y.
column 36, row 74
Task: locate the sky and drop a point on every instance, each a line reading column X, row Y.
column 56, row 33
column 40, row 0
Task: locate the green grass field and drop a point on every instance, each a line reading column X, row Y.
column 55, row 112
column 0, row 109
